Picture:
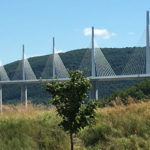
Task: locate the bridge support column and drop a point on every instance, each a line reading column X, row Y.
column 24, row 95
column 1, row 102
column 94, row 90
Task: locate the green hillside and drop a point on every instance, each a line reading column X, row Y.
column 117, row 57
column 133, row 94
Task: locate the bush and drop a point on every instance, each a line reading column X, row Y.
column 120, row 128
column 139, row 91
column 39, row 133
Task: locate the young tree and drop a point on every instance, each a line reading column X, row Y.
column 69, row 98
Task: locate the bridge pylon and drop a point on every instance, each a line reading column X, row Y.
column 23, row 86
column 54, row 67
column 94, row 90
column 147, row 44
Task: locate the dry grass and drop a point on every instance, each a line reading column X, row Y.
column 120, row 128
column 34, row 128
column 136, row 109
column 31, row 111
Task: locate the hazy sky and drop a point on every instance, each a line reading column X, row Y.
column 118, row 23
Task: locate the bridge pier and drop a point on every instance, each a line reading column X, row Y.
column 94, row 90
column 24, row 94
column 1, row 102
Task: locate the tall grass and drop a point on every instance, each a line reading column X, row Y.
column 120, row 128
column 33, row 129
column 116, row 128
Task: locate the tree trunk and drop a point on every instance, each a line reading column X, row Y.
column 71, row 141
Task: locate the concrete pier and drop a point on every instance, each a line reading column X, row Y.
column 1, row 99
column 24, row 95
column 94, row 90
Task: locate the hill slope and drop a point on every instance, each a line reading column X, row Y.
column 117, row 57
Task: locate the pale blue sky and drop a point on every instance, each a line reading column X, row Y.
column 118, row 23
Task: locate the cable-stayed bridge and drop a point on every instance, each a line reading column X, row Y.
column 97, row 68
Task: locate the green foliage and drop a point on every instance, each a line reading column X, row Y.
column 116, row 128
column 69, row 97
column 120, row 129
column 139, row 91
column 40, row 133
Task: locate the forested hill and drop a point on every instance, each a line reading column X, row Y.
column 117, row 57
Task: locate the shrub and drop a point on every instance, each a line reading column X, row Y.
column 39, row 133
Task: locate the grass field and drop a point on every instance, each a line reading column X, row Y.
column 116, row 128
column 33, row 129
column 120, row 128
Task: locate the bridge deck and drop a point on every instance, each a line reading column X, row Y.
column 103, row 78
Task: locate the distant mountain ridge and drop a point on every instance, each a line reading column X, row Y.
column 117, row 57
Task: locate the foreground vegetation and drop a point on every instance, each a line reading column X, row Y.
column 120, row 128
column 69, row 99
column 116, row 128
column 32, row 129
